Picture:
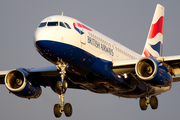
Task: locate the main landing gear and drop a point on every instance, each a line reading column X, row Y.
column 61, row 87
column 144, row 101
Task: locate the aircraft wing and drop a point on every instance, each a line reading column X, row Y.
column 42, row 74
column 2, row 75
column 124, row 66
column 176, row 79
column 172, row 63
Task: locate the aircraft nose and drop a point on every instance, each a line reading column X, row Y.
column 45, row 35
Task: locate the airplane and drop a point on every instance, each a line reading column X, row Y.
column 85, row 59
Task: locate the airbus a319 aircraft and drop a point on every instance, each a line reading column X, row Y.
column 85, row 59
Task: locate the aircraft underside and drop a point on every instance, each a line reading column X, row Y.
column 85, row 70
column 89, row 75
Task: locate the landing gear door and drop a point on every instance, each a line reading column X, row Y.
column 83, row 37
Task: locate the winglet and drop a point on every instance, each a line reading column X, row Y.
column 153, row 46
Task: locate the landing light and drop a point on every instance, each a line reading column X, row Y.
column 119, row 76
column 125, row 76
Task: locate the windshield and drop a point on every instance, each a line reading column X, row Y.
column 55, row 23
column 42, row 24
column 62, row 24
column 52, row 24
column 68, row 25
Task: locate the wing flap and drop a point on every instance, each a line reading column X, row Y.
column 176, row 79
column 172, row 63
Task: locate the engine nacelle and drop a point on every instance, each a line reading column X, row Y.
column 153, row 72
column 20, row 83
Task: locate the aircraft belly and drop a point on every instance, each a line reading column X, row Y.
column 86, row 70
column 77, row 58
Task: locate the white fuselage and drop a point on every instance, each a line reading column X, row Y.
column 91, row 41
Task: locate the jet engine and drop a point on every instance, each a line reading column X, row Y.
column 21, row 83
column 153, row 72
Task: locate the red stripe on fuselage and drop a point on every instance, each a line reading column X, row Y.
column 156, row 28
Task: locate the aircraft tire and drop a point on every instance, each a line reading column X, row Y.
column 68, row 109
column 57, row 110
column 65, row 84
column 154, row 102
column 142, row 103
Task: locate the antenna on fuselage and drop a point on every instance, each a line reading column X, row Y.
column 62, row 14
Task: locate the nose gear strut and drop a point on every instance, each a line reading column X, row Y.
column 61, row 87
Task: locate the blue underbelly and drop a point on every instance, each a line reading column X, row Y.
column 98, row 71
column 54, row 51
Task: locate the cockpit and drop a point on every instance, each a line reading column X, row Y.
column 54, row 23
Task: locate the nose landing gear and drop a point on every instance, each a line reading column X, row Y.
column 61, row 87
column 59, row 108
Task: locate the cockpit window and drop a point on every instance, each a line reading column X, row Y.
column 42, row 24
column 68, row 26
column 55, row 23
column 52, row 24
column 62, row 24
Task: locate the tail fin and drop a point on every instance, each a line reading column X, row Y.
column 153, row 46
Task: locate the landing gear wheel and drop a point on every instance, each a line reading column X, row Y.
column 57, row 112
column 142, row 103
column 65, row 84
column 154, row 102
column 68, row 109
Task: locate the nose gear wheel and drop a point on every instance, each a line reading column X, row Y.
column 68, row 109
column 57, row 111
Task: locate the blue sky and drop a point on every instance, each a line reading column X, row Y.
column 125, row 21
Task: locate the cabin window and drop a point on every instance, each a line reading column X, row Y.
column 42, row 24
column 52, row 24
column 98, row 39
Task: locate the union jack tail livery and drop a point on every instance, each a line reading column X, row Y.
column 153, row 46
